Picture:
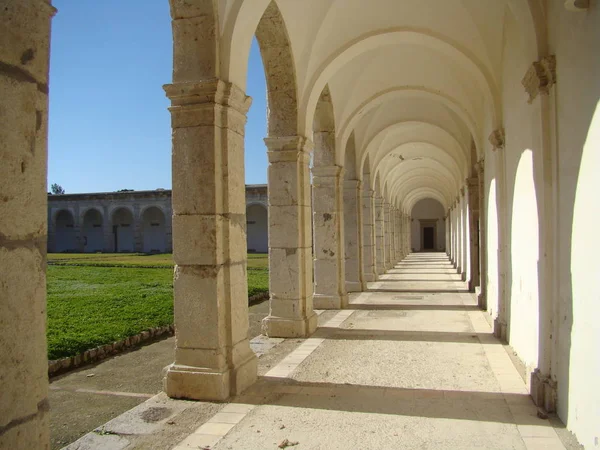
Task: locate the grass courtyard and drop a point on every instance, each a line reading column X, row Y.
column 94, row 299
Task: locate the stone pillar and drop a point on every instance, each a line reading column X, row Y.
column 456, row 236
column 138, row 223
column 399, row 254
column 368, row 217
column 290, row 239
column 213, row 359
column 387, row 238
column 168, row 229
column 464, row 219
column 379, row 236
column 107, row 229
column 473, row 205
column 451, row 232
column 482, row 299
column 353, row 235
column 328, row 229
column 24, row 55
column 393, row 234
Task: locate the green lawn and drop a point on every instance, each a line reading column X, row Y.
column 94, row 299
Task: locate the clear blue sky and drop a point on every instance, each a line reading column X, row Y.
column 109, row 127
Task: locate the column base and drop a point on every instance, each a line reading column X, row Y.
column 543, row 391
column 282, row 327
column 500, row 329
column 354, row 286
column 463, row 276
column 369, row 277
column 482, row 301
column 323, row 301
column 199, row 383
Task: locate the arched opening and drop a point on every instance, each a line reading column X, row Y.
column 154, row 231
column 92, row 232
column 65, row 235
column 257, row 229
column 428, row 231
column 123, row 239
column 524, row 312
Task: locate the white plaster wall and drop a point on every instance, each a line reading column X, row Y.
column 257, row 228
column 428, row 209
column 522, row 124
column 574, row 38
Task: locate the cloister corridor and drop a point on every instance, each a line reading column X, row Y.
column 416, row 367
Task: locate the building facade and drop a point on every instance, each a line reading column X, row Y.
column 134, row 221
column 490, row 108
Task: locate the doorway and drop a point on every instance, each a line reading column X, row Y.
column 428, row 235
column 428, row 238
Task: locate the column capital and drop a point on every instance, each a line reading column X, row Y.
column 332, row 171
column 213, row 91
column 208, row 103
column 352, row 184
column 472, row 182
column 497, row 138
column 540, row 77
column 480, row 165
column 288, row 148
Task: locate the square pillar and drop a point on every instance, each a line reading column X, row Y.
column 368, row 217
column 24, row 59
column 213, row 359
column 353, row 236
column 328, row 229
column 388, row 235
column 392, row 236
column 473, row 207
column 290, row 239
column 380, row 250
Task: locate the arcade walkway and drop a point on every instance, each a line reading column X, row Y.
column 411, row 364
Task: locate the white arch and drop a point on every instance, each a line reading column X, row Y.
column 403, row 91
column 396, row 36
column 415, row 134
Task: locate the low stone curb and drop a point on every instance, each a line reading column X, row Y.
column 257, row 297
column 58, row 366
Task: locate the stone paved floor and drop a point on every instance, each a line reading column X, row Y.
column 411, row 364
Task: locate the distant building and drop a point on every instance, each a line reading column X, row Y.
column 134, row 221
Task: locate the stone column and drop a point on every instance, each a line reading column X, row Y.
column 290, row 239
column 387, row 238
column 456, row 236
column 458, row 243
column 450, row 241
column 328, row 229
column 379, row 236
column 353, row 235
column 465, row 233
column 399, row 255
column 24, row 55
column 107, row 230
column 168, row 229
column 482, row 299
column 138, row 222
column 393, row 235
column 368, row 217
column 473, row 205
column 213, row 359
